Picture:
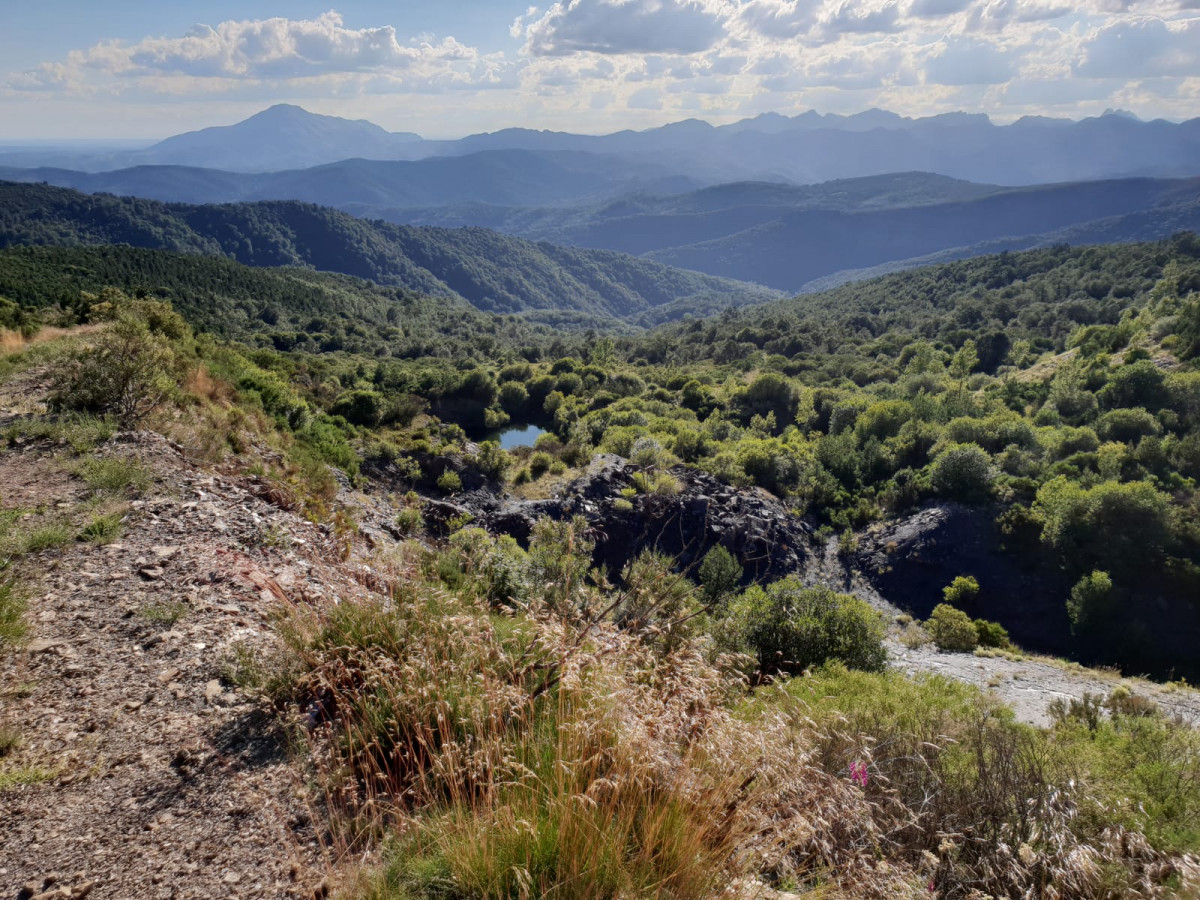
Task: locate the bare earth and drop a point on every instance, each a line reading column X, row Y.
column 156, row 779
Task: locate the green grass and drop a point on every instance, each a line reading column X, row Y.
column 12, row 616
column 82, row 432
column 102, row 529
column 10, row 740
column 114, row 476
column 20, row 776
column 1141, row 771
column 49, row 536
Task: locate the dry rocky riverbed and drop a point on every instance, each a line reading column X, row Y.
column 141, row 771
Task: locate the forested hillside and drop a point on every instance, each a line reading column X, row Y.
column 493, row 272
column 288, row 309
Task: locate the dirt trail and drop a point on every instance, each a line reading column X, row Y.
column 150, row 776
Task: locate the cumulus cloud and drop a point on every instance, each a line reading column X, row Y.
column 265, row 50
column 644, row 61
column 627, row 26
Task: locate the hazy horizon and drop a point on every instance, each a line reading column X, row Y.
column 145, row 71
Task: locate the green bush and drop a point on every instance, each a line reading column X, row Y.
column 962, row 590
column 992, row 634
column 790, row 627
column 952, row 629
column 449, row 482
column 360, row 407
column 1127, row 425
column 963, row 472
column 409, row 521
column 720, row 575
column 12, row 616
column 540, row 463
column 126, row 372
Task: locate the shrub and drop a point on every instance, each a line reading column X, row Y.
column 790, row 627
column 540, row 463
column 492, row 460
column 409, row 521
column 1127, row 425
column 720, row 575
column 449, row 482
column 963, row 472
column 952, row 629
column 126, row 372
column 360, row 407
column 962, row 590
column 992, row 634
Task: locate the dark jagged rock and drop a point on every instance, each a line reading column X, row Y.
column 768, row 539
column 909, row 560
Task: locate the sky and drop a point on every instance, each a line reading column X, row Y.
column 135, row 69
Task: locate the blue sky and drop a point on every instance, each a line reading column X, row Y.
column 132, row 68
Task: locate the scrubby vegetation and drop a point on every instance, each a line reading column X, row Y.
column 1053, row 391
column 513, row 721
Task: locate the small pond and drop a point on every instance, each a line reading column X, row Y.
column 517, row 436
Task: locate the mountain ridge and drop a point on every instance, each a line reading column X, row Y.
column 494, row 272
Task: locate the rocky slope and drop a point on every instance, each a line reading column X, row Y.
column 141, row 771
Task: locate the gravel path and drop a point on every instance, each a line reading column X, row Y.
column 1029, row 686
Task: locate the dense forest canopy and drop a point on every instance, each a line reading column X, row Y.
column 494, row 272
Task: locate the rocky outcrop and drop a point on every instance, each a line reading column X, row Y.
column 910, row 560
column 769, row 539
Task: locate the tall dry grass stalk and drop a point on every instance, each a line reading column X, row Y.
column 527, row 753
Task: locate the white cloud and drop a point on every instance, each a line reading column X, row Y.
column 627, row 26
column 266, row 50
column 962, row 61
column 594, row 63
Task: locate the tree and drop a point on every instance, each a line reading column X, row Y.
column 962, row 590
column 1092, row 601
column 1120, row 526
column 963, row 472
column 769, row 393
column 720, row 575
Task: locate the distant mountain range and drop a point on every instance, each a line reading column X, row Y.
column 888, row 193
column 806, row 148
column 494, row 272
column 501, row 177
column 782, row 236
